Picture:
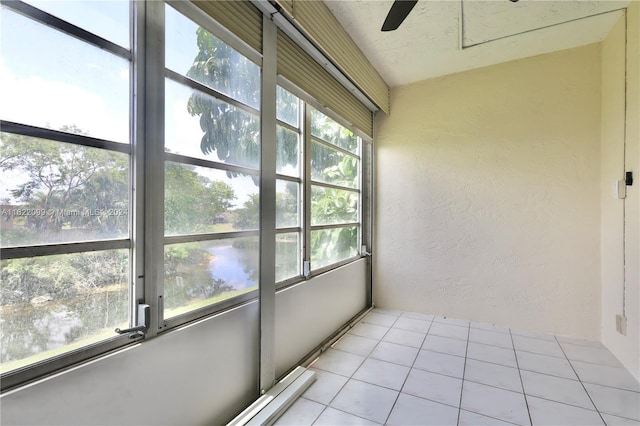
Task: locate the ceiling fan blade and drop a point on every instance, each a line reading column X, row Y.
column 397, row 14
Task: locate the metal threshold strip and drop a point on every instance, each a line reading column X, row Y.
column 270, row 406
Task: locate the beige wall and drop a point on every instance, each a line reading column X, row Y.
column 621, row 219
column 488, row 195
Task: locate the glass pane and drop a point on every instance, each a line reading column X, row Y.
column 54, row 304
column 203, row 273
column 287, row 256
column 331, row 166
column 52, row 80
column 288, row 152
column 56, row 192
column 328, row 130
column 196, row 53
column 333, row 206
column 231, row 135
column 287, row 107
column 108, row 19
column 201, row 200
column 333, row 245
column 287, row 203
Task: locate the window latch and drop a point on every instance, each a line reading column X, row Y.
column 142, row 324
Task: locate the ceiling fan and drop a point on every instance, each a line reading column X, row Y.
column 399, row 11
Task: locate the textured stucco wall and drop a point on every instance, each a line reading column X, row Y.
column 616, row 145
column 488, row 195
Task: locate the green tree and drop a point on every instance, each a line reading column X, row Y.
column 89, row 184
column 248, row 216
column 192, row 201
column 231, row 132
column 235, row 136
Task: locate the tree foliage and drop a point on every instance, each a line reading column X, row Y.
column 78, row 192
column 193, row 202
column 231, row 132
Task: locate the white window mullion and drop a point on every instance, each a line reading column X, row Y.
column 154, row 162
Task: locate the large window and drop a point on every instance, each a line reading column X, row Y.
column 65, row 167
column 335, row 191
column 130, row 162
column 212, row 168
column 288, row 185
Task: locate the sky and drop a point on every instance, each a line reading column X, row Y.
column 49, row 79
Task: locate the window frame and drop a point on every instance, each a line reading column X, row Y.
column 147, row 239
column 34, row 371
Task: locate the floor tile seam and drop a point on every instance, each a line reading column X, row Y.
column 538, row 353
column 387, row 332
column 597, row 348
column 403, row 344
column 352, row 414
column 619, row 367
column 311, row 400
column 450, row 323
column 489, row 344
column 583, row 380
column 357, row 335
column 392, row 362
column 366, row 337
column 610, row 387
column 317, row 417
column 332, row 372
column 378, row 384
column 492, row 386
column 430, row 400
column 339, row 374
column 464, row 370
column 582, row 384
column 485, row 415
column 404, row 382
column 528, row 370
column 526, row 401
column 364, row 321
column 597, row 363
column 448, row 337
column 344, row 384
column 491, row 331
column 347, row 352
column 413, row 331
column 546, row 398
column 493, row 363
column 406, row 316
column 490, row 362
column 435, row 372
column 486, row 329
column 531, row 337
column 583, row 346
column 320, row 415
column 622, row 417
column 442, row 353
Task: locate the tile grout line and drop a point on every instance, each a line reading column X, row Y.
column 464, row 369
column 410, row 368
column 580, row 380
column 524, row 394
column 354, row 372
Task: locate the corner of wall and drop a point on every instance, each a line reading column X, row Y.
column 620, row 219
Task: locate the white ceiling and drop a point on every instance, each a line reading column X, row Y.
column 446, row 36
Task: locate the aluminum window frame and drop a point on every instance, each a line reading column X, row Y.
column 146, row 240
column 54, row 364
column 201, row 19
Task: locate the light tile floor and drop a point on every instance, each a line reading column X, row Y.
column 403, row 368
